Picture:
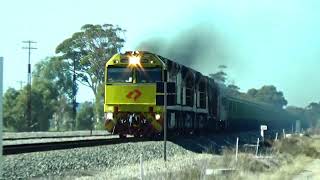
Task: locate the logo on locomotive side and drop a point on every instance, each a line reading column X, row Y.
column 135, row 94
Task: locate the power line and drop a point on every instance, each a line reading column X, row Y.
column 29, row 48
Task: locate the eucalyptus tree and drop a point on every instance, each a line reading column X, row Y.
column 268, row 94
column 87, row 51
column 57, row 72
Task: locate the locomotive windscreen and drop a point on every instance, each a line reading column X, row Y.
column 148, row 75
column 119, row 74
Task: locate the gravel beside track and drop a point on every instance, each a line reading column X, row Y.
column 87, row 162
column 82, row 161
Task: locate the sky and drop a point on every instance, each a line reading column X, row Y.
column 262, row 42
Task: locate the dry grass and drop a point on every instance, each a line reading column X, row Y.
column 174, row 168
column 313, row 131
column 290, row 156
column 298, row 146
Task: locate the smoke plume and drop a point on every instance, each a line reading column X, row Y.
column 199, row 47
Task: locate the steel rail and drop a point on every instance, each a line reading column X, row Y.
column 38, row 147
column 51, row 137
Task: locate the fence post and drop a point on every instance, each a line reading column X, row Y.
column 141, row 167
column 257, row 148
column 276, row 138
column 237, row 147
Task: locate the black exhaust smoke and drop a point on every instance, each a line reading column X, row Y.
column 199, row 47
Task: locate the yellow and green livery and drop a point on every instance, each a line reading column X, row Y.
column 130, row 94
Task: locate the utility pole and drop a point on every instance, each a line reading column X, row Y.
column 74, row 95
column 29, row 109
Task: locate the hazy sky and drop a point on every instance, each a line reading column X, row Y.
column 262, row 42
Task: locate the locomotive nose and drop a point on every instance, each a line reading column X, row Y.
column 131, row 94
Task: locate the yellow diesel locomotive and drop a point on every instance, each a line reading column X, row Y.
column 134, row 100
column 131, row 94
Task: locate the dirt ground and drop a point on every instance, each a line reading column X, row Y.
column 310, row 172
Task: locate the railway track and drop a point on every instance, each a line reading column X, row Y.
column 50, row 137
column 38, row 147
column 69, row 144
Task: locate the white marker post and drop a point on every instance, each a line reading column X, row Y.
column 284, row 134
column 1, row 113
column 257, row 148
column 262, row 129
column 141, row 167
column 276, row 138
column 237, row 147
column 209, row 172
column 298, row 126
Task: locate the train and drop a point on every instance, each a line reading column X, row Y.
column 142, row 87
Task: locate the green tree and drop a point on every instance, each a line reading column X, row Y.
column 62, row 117
column 297, row 111
column 219, row 76
column 222, row 77
column 43, row 95
column 233, row 90
column 10, row 115
column 233, row 87
column 44, row 103
column 57, row 73
column 87, row 52
column 313, row 113
column 300, row 114
column 268, row 94
column 51, row 93
column 85, row 116
column 252, row 92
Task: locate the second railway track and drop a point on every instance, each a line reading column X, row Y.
column 48, row 137
column 48, row 146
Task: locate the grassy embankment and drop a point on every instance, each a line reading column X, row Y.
column 287, row 159
column 284, row 160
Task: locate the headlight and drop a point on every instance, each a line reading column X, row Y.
column 109, row 115
column 134, row 60
column 158, row 116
